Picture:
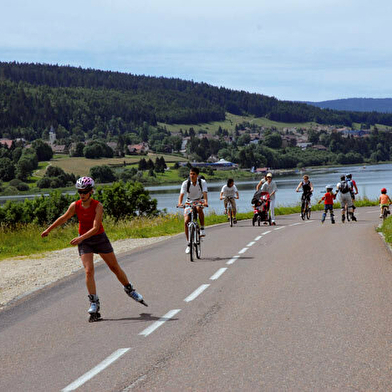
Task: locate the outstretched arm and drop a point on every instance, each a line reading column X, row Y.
column 62, row 219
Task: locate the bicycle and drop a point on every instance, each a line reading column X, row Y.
column 194, row 239
column 385, row 212
column 305, row 209
column 229, row 209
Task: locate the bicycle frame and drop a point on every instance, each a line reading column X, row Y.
column 229, row 207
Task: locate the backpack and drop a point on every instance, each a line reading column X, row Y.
column 188, row 184
column 344, row 187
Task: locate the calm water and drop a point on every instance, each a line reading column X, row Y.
column 369, row 179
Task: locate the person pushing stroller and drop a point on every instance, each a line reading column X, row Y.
column 261, row 205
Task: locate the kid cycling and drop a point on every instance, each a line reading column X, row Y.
column 230, row 191
column 384, row 200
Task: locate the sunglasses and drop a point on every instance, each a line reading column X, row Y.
column 83, row 192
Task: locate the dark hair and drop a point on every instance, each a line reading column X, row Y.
column 230, row 181
column 342, row 178
column 195, row 170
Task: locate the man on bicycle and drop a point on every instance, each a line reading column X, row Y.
column 307, row 189
column 230, row 192
column 196, row 190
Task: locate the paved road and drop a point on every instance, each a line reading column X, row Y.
column 296, row 307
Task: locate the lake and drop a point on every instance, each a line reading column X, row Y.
column 369, row 179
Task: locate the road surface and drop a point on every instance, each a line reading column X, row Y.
column 301, row 306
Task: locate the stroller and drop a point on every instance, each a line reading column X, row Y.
column 261, row 205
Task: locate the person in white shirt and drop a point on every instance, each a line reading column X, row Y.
column 230, row 191
column 196, row 190
column 271, row 188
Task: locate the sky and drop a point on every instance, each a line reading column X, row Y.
column 298, row 50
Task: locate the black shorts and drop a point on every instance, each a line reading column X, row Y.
column 96, row 244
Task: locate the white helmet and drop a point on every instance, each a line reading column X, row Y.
column 329, row 187
column 84, row 183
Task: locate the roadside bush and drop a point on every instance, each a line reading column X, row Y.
column 22, row 187
column 125, row 200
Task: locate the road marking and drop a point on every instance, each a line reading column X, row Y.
column 160, row 322
column 266, row 232
column 251, row 243
column 233, row 260
column 257, row 238
column 243, row 250
column 93, row 372
column 218, row 273
column 196, row 293
column 295, row 224
column 279, row 228
column 309, row 221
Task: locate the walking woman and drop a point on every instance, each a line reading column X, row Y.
column 93, row 239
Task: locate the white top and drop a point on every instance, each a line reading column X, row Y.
column 270, row 188
column 195, row 193
column 229, row 191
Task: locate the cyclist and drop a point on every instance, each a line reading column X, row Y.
column 328, row 198
column 196, row 190
column 230, row 191
column 384, row 200
column 271, row 188
column 344, row 188
column 307, row 189
column 92, row 239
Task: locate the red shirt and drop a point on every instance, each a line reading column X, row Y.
column 328, row 198
column 86, row 216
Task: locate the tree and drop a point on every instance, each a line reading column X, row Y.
column 102, row 174
column 7, row 169
column 43, row 150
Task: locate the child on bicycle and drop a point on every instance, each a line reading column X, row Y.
column 92, row 239
column 328, row 198
column 230, row 192
column 307, row 190
column 384, row 200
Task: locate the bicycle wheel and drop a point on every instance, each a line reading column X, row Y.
column 303, row 210
column 231, row 217
column 191, row 241
column 308, row 212
column 384, row 213
column 197, row 243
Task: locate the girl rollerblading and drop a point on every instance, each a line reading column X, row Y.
column 93, row 239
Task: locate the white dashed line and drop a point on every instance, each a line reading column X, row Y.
column 266, row 232
column 279, row 228
column 251, row 243
column 158, row 323
column 243, row 250
column 233, row 260
column 93, row 372
column 196, row 293
column 218, row 273
column 295, row 224
column 257, row 238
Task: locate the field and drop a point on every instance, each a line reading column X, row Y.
column 81, row 166
column 231, row 121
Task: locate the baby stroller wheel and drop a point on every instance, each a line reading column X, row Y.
column 253, row 220
column 258, row 220
column 269, row 221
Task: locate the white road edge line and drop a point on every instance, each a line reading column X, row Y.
column 251, row 243
column 233, row 260
column 218, row 273
column 295, row 224
column 93, row 372
column 243, row 250
column 158, row 323
column 258, row 237
column 196, row 293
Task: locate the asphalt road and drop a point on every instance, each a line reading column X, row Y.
column 299, row 306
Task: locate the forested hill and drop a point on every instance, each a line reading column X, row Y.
column 37, row 96
column 381, row 105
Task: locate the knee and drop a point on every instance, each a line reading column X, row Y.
column 89, row 273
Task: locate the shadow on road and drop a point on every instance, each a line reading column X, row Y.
column 142, row 317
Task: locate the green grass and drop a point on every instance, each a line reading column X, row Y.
column 231, row 121
column 26, row 240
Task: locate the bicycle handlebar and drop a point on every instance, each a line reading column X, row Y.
column 192, row 204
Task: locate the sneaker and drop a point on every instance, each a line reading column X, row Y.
column 188, row 249
column 332, row 221
column 202, row 233
column 235, row 220
column 354, row 218
column 273, row 224
column 380, row 216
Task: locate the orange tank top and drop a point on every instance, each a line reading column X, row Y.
column 384, row 199
column 86, row 216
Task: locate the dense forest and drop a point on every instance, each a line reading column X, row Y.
column 34, row 97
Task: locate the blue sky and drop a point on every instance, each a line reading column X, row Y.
column 290, row 49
